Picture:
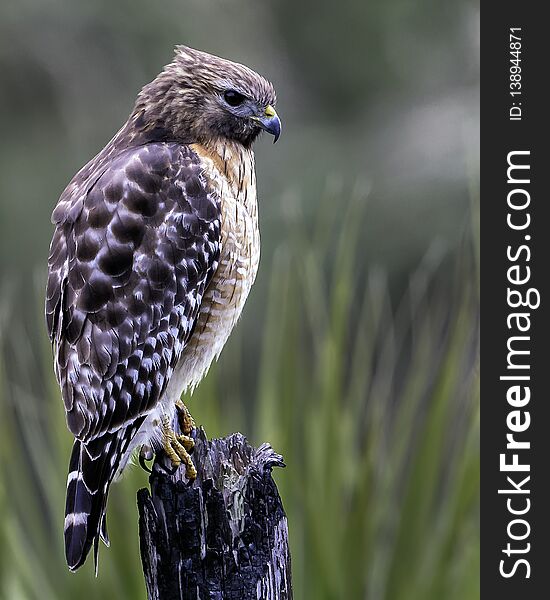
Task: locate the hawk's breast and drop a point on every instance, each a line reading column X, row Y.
column 229, row 170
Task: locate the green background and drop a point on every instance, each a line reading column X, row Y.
column 357, row 354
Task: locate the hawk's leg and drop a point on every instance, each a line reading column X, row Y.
column 177, row 448
column 186, row 421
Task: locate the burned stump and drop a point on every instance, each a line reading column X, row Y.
column 224, row 536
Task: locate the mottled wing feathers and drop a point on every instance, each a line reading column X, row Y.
column 129, row 263
column 137, row 241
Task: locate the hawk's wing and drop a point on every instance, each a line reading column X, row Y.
column 130, row 259
column 129, row 263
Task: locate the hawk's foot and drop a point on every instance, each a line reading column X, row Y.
column 177, row 449
column 186, row 421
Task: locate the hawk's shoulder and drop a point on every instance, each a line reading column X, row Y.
column 136, row 243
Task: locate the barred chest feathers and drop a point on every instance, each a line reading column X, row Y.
column 230, row 171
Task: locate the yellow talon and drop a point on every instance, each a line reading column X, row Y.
column 176, row 448
column 186, row 421
column 186, row 441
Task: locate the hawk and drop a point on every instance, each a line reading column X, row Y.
column 155, row 249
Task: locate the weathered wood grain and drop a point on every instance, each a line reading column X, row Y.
column 225, row 536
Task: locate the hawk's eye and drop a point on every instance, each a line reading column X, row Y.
column 233, row 98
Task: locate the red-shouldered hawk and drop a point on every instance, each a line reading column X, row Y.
column 155, row 249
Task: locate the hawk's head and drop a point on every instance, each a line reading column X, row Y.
column 200, row 97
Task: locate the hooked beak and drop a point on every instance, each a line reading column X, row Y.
column 270, row 122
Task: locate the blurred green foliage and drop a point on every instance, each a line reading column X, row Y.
column 357, row 355
column 374, row 407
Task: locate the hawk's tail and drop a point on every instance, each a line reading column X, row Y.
column 92, row 468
